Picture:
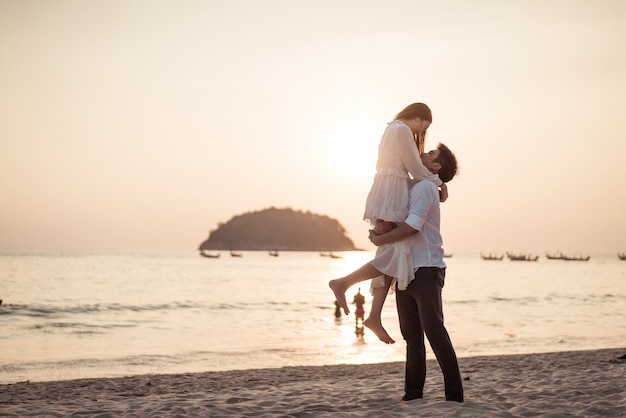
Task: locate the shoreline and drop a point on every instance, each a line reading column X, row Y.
column 571, row 383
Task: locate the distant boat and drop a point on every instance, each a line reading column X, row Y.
column 491, row 257
column 521, row 257
column 577, row 258
column 332, row 255
column 447, row 256
column 561, row 256
column 203, row 254
column 273, row 253
column 235, row 254
column 621, row 256
column 324, row 254
column 556, row 256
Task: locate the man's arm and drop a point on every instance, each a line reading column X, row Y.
column 397, row 234
column 422, row 197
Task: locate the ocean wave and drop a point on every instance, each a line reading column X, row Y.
column 50, row 310
column 41, row 310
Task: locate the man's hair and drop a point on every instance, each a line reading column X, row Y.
column 448, row 162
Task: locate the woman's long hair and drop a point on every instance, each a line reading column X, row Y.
column 417, row 110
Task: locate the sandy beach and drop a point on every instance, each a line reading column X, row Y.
column 578, row 383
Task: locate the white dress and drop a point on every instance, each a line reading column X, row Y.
column 388, row 198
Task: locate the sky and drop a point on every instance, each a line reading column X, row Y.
column 145, row 124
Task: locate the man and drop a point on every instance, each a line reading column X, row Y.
column 419, row 306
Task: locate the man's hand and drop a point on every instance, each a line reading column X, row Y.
column 383, row 226
column 399, row 233
column 375, row 238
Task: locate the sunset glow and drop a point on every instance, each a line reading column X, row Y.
column 143, row 125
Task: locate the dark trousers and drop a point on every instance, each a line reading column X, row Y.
column 420, row 311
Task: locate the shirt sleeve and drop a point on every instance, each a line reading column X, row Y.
column 409, row 155
column 422, row 197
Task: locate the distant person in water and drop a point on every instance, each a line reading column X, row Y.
column 337, row 310
column 359, row 301
column 359, row 314
column 387, row 204
column 420, row 307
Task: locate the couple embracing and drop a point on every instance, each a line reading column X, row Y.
column 405, row 214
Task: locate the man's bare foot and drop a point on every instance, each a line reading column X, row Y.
column 340, row 294
column 377, row 328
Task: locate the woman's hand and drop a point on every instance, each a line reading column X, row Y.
column 443, row 192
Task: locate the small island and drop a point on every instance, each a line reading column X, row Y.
column 279, row 229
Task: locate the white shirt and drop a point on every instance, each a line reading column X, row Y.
column 424, row 216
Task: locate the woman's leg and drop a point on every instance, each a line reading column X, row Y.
column 373, row 321
column 341, row 285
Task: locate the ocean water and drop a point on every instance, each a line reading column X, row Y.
column 70, row 315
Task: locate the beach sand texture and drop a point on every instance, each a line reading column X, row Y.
column 579, row 383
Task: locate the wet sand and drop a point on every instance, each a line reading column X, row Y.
column 577, row 383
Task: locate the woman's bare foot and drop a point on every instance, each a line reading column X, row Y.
column 340, row 294
column 377, row 328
